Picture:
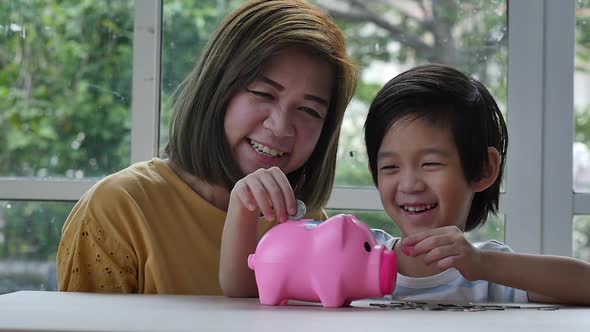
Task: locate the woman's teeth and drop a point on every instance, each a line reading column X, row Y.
column 265, row 149
column 420, row 208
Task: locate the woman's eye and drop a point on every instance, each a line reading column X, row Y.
column 261, row 94
column 312, row 112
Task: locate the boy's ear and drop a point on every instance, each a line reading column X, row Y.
column 490, row 171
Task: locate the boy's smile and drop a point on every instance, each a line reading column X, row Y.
column 420, row 177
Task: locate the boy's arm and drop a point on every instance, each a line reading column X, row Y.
column 547, row 278
column 553, row 279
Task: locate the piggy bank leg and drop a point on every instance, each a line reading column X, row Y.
column 330, row 301
column 270, row 291
column 266, row 299
column 330, row 292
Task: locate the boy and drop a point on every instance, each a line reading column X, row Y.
column 436, row 143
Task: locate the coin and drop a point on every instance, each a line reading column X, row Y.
column 301, row 210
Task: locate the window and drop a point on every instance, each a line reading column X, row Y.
column 65, row 69
column 81, row 93
column 581, row 243
column 581, row 145
column 65, row 101
column 582, row 99
column 29, row 235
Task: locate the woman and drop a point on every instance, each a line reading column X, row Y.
column 267, row 97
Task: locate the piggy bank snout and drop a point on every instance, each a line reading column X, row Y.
column 388, row 271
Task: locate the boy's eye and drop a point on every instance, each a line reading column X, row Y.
column 388, row 168
column 432, row 165
column 261, row 94
column 311, row 112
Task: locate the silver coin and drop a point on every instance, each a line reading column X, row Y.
column 301, row 210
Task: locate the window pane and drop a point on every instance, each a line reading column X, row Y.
column 581, row 238
column 582, row 99
column 29, row 236
column 493, row 229
column 471, row 35
column 387, row 38
column 65, row 87
column 187, row 26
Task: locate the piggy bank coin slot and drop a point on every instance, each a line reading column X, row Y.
column 312, row 224
column 367, row 247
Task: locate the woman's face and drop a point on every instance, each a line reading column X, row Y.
column 277, row 120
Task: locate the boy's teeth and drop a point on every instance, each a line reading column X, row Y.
column 265, row 149
column 419, row 208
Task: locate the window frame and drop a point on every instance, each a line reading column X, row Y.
column 539, row 203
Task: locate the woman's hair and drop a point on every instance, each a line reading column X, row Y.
column 447, row 98
column 235, row 57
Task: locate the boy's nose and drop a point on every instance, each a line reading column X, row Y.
column 279, row 122
column 411, row 182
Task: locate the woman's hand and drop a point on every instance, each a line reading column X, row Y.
column 267, row 191
column 446, row 247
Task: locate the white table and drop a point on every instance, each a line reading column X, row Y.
column 55, row 311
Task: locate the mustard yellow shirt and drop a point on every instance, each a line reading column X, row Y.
column 142, row 230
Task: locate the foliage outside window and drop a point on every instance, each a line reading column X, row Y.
column 65, row 93
column 581, row 176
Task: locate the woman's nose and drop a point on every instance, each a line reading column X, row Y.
column 279, row 122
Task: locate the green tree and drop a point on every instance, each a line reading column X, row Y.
column 582, row 65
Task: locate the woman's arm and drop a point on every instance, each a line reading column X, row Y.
column 267, row 191
column 239, row 239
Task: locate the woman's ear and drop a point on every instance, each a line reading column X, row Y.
column 489, row 173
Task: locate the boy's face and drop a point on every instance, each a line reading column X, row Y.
column 420, row 177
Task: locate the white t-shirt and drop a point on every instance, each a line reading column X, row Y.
column 449, row 285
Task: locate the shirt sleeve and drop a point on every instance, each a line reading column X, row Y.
column 90, row 260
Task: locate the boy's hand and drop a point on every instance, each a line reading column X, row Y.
column 446, row 247
column 268, row 191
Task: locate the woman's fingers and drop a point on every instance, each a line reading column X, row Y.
column 261, row 196
column 286, row 191
column 275, row 196
column 270, row 191
column 245, row 196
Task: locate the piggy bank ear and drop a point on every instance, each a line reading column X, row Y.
column 360, row 229
column 337, row 229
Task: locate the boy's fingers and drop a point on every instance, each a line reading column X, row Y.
column 411, row 240
column 426, row 243
column 432, row 242
column 415, row 238
column 446, row 263
column 439, row 253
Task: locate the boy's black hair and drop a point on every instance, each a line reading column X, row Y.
column 445, row 96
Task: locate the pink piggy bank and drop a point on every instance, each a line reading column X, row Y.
column 333, row 262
